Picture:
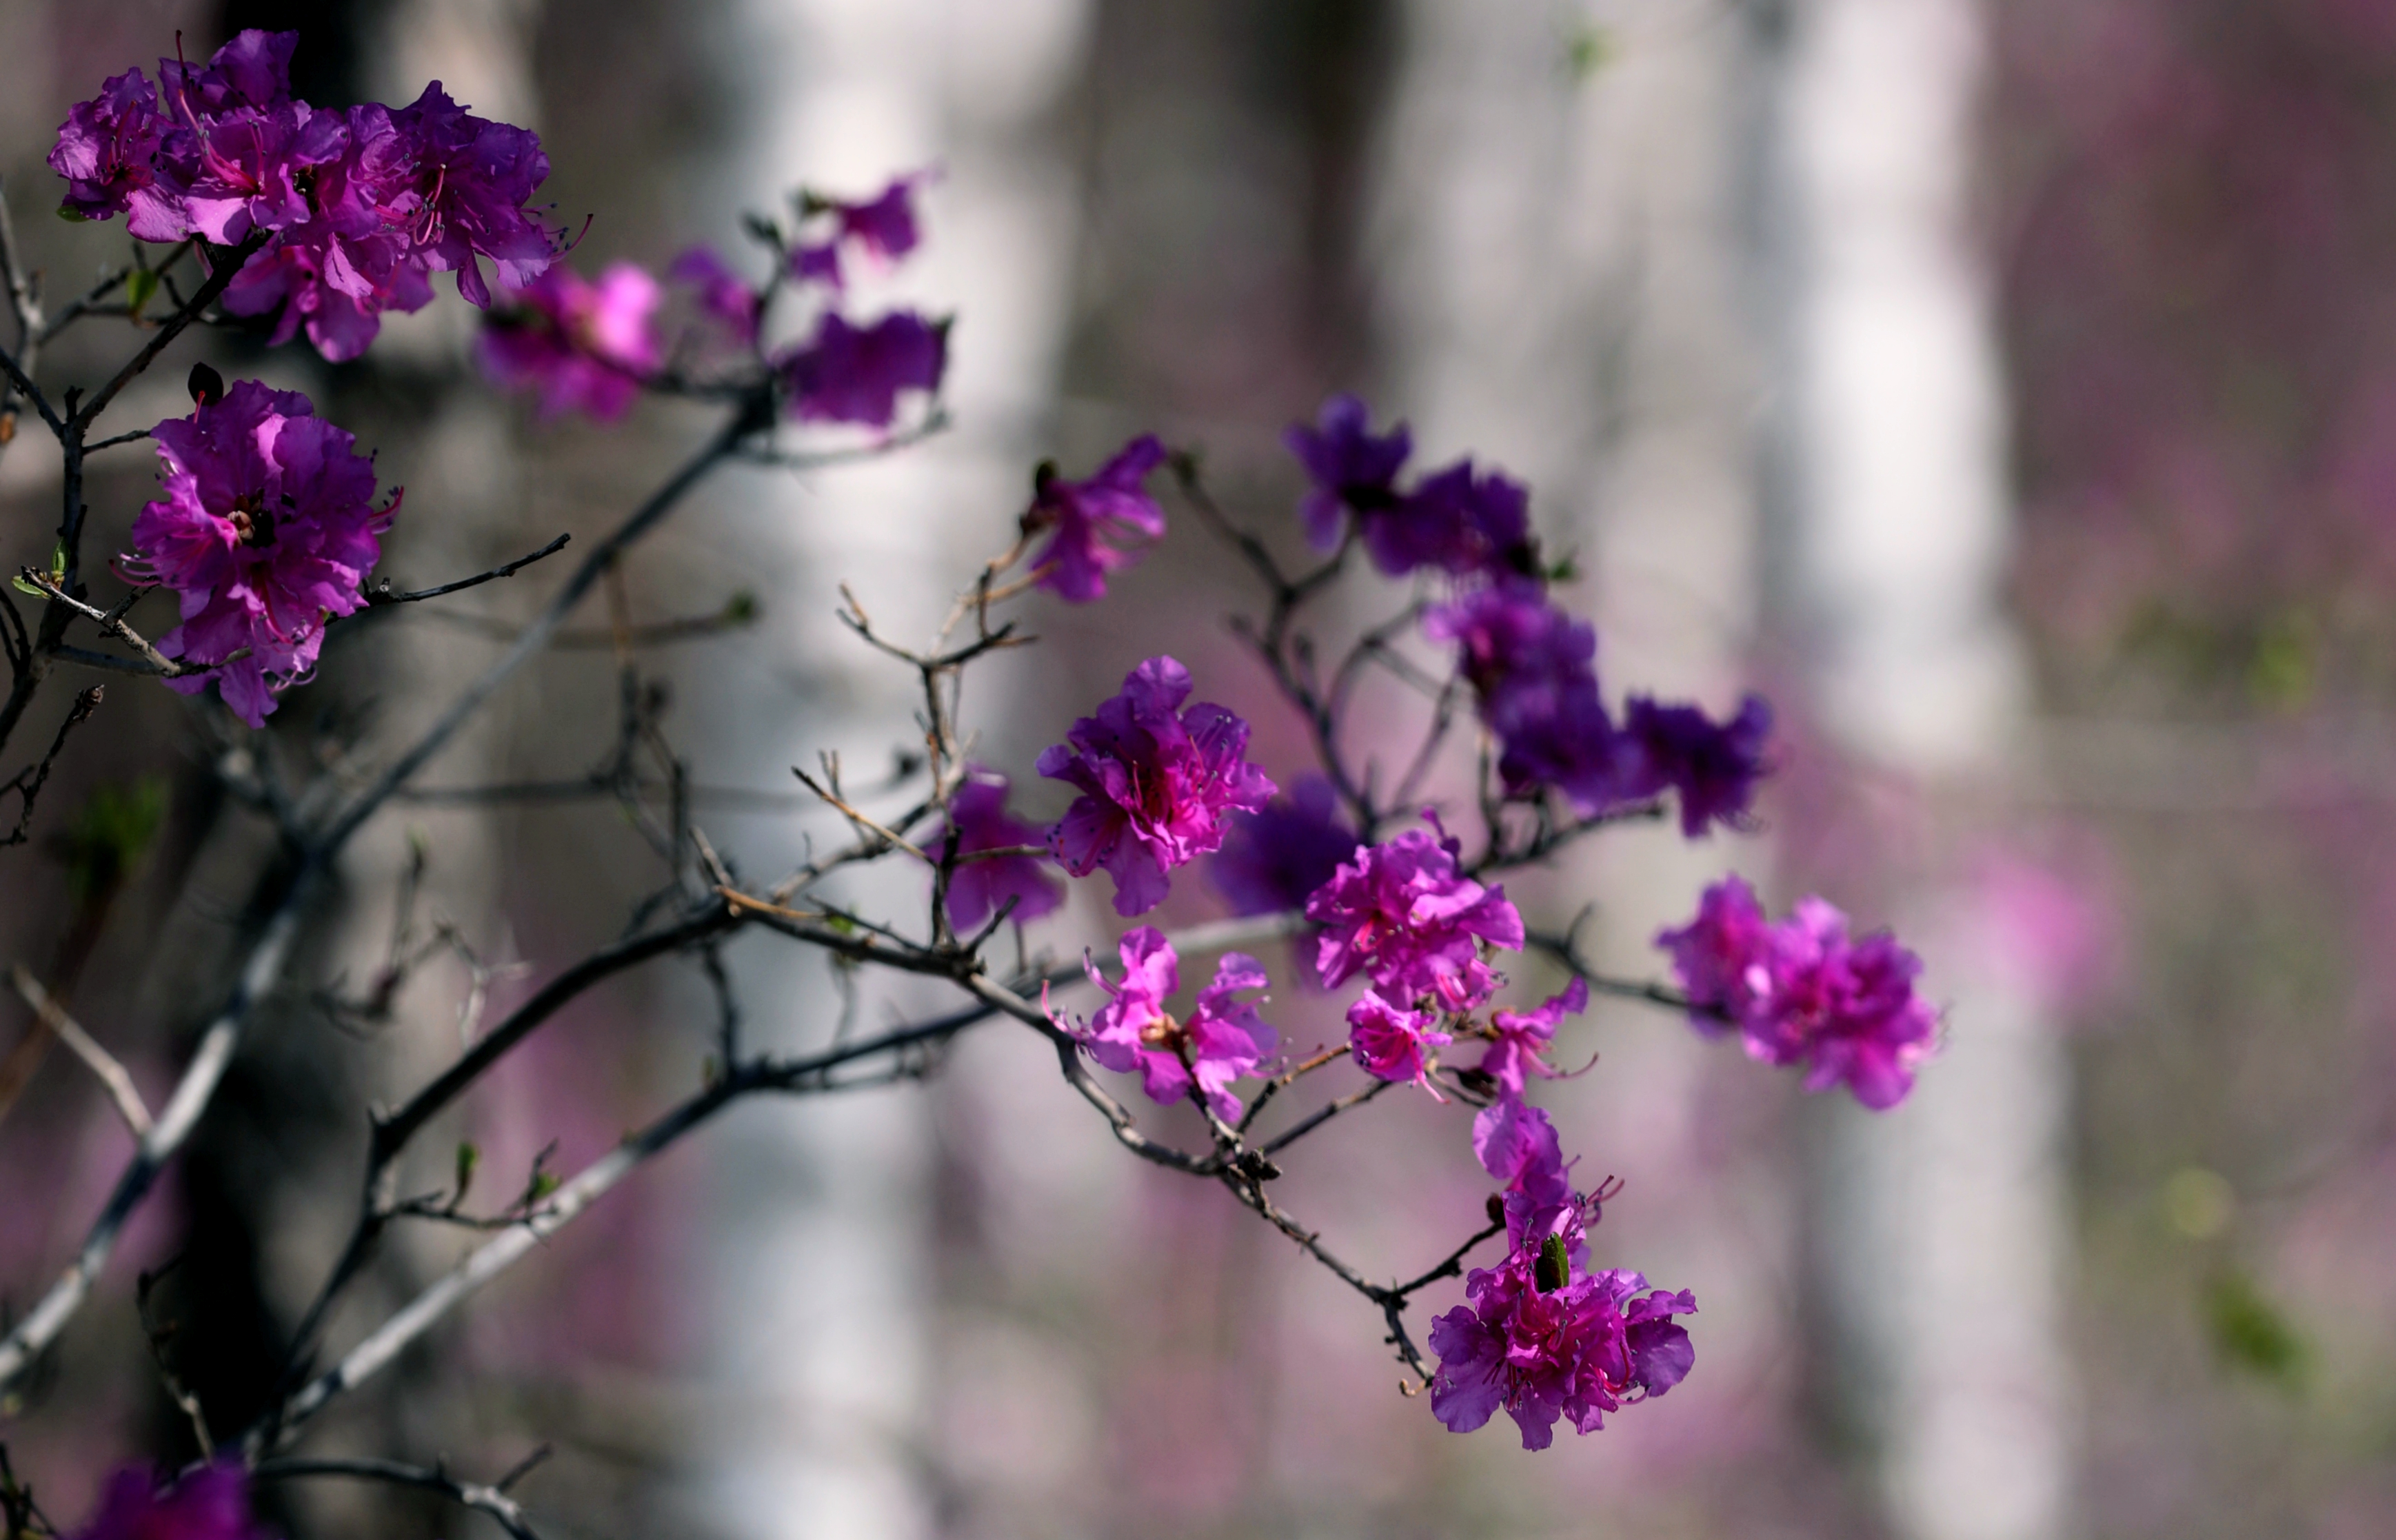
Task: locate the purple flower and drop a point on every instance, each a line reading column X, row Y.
column 1544, row 1338
column 267, row 528
column 1222, row 1040
column 884, row 227
column 852, row 374
column 1086, row 515
column 1713, row 766
column 458, row 184
column 252, row 74
column 1158, row 784
column 1456, row 521
column 585, row 346
column 1523, row 1038
column 1403, row 916
column 1393, row 1043
column 1533, row 672
column 1349, row 468
column 723, row 294
column 1275, row 857
column 1717, row 954
column 105, row 151
column 1517, row 1145
column 210, row 1504
column 1802, row 992
column 978, row 888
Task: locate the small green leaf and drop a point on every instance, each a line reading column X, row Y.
column 468, row 1158
column 71, row 215
column 2250, row 1332
column 21, row 586
column 59, row 562
column 140, row 287
column 1553, row 1269
column 543, row 1184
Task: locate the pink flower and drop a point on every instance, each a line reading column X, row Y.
column 105, row 150
column 1524, row 1038
column 1392, row 1044
column 1349, row 466
column 1084, row 516
column 586, row 347
column 1803, row 992
column 884, row 227
column 1543, row 1338
column 1403, row 916
column 267, row 526
column 1158, row 784
column 210, row 1504
column 978, row 888
column 1222, row 1040
column 1517, row 1145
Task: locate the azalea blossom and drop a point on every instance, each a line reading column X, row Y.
column 1350, row 469
column 1273, row 859
column 585, row 347
column 848, row 373
column 1095, row 526
column 1221, row 1041
column 1394, row 1043
column 1401, row 914
column 1712, row 767
column 267, row 526
column 1158, row 784
column 1523, row 1038
column 978, row 888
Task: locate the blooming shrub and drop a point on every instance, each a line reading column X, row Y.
column 267, row 531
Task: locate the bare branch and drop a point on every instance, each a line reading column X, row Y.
column 98, row 1061
column 382, row 594
column 27, row 783
column 491, row 1501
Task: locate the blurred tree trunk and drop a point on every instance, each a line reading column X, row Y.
column 821, row 1265
column 1936, row 1232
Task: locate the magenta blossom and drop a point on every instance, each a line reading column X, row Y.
column 1712, row 767
column 1393, row 1043
column 723, row 295
column 209, row 1504
column 1087, row 517
column 1533, row 672
column 586, row 347
column 884, row 227
column 459, row 189
column 1159, row 784
column 107, row 149
column 1403, row 916
column 268, row 527
column 1544, row 1338
column 1517, row 1145
column 1222, row 1040
column 1349, row 466
column 1523, row 1037
column 978, row 888
column 1275, row 858
column 856, row 374
column 1456, row 521
column 1802, row 992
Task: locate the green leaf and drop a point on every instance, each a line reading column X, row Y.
column 21, row 586
column 140, row 287
column 1553, row 1269
column 468, row 1158
column 2251, row 1333
column 110, row 832
column 543, row 1184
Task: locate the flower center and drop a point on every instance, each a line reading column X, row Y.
column 251, row 521
column 1162, row 1031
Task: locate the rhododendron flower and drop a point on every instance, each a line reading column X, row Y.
column 1533, row 672
column 360, row 206
column 1222, row 1040
column 856, row 374
column 1086, row 516
column 884, row 227
column 978, row 888
column 1524, row 1038
column 723, row 294
column 1393, row 1042
column 1349, row 468
column 267, row 526
column 1403, row 916
column 586, row 347
column 1456, row 521
column 1517, row 1145
column 1803, row 992
column 210, row 1504
column 1275, row 858
column 1711, row 767
column 1544, row 1338
column 105, row 150
column 1158, row 784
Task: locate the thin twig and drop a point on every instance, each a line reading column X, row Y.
column 98, row 1061
column 491, row 1501
column 382, row 594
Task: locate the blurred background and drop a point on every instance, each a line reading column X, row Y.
column 2008, row 390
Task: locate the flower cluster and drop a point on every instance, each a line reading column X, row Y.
column 1406, row 917
column 1543, row 1338
column 1802, row 991
column 1082, row 519
column 1158, row 784
column 210, row 1504
column 1457, row 520
column 357, row 209
column 1222, row 1040
column 267, row 526
column 977, row 887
